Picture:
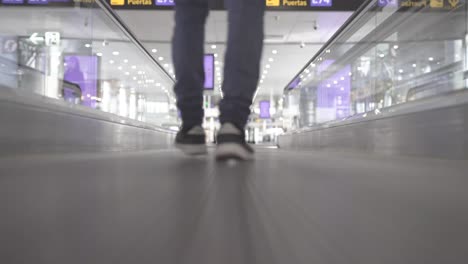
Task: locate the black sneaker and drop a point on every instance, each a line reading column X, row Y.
column 192, row 141
column 231, row 144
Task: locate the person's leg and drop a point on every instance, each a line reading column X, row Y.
column 242, row 62
column 241, row 73
column 187, row 53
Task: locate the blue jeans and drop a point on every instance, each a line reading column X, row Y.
column 242, row 59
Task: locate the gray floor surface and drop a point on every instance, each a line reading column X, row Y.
column 286, row 207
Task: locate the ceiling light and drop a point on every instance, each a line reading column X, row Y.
column 268, row 66
column 274, row 51
column 140, row 72
column 99, row 54
column 216, row 62
column 307, row 71
column 342, row 78
column 134, row 67
column 401, row 71
column 270, row 60
column 414, row 65
column 127, row 73
column 335, row 82
column 115, row 53
column 381, row 55
column 120, row 68
column 134, row 78
column 125, row 61
column 154, row 50
column 158, row 84
column 313, row 65
column 166, row 65
column 88, row 45
column 328, row 85
column 161, row 58
column 216, row 55
column 396, row 47
column 431, row 59
column 213, row 46
column 111, row 62
column 265, row 72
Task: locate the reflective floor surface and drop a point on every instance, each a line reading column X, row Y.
column 286, row 207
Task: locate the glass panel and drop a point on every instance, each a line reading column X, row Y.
column 80, row 55
column 392, row 53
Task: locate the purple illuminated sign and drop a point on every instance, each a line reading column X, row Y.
column 13, row 2
column 164, row 2
column 38, row 2
column 383, row 3
column 321, row 3
column 209, row 72
column 82, row 70
column 265, row 109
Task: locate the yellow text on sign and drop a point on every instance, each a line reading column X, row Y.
column 437, row 3
column 117, row 2
column 273, row 2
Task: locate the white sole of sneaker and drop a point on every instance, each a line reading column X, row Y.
column 228, row 151
column 192, row 150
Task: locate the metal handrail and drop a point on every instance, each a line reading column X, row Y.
column 364, row 7
column 129, row 33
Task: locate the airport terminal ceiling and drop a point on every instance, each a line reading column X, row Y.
column 291, row 40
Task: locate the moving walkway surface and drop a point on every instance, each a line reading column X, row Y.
column 285, row 207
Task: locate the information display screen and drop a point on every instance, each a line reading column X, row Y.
column 265, row 109
column 209, row 65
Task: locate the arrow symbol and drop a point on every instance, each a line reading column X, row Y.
column 34, row 38
column 454, row 3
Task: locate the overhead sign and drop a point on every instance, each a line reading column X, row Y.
column 277, row 5
column 429, row 4
column 299, row 5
